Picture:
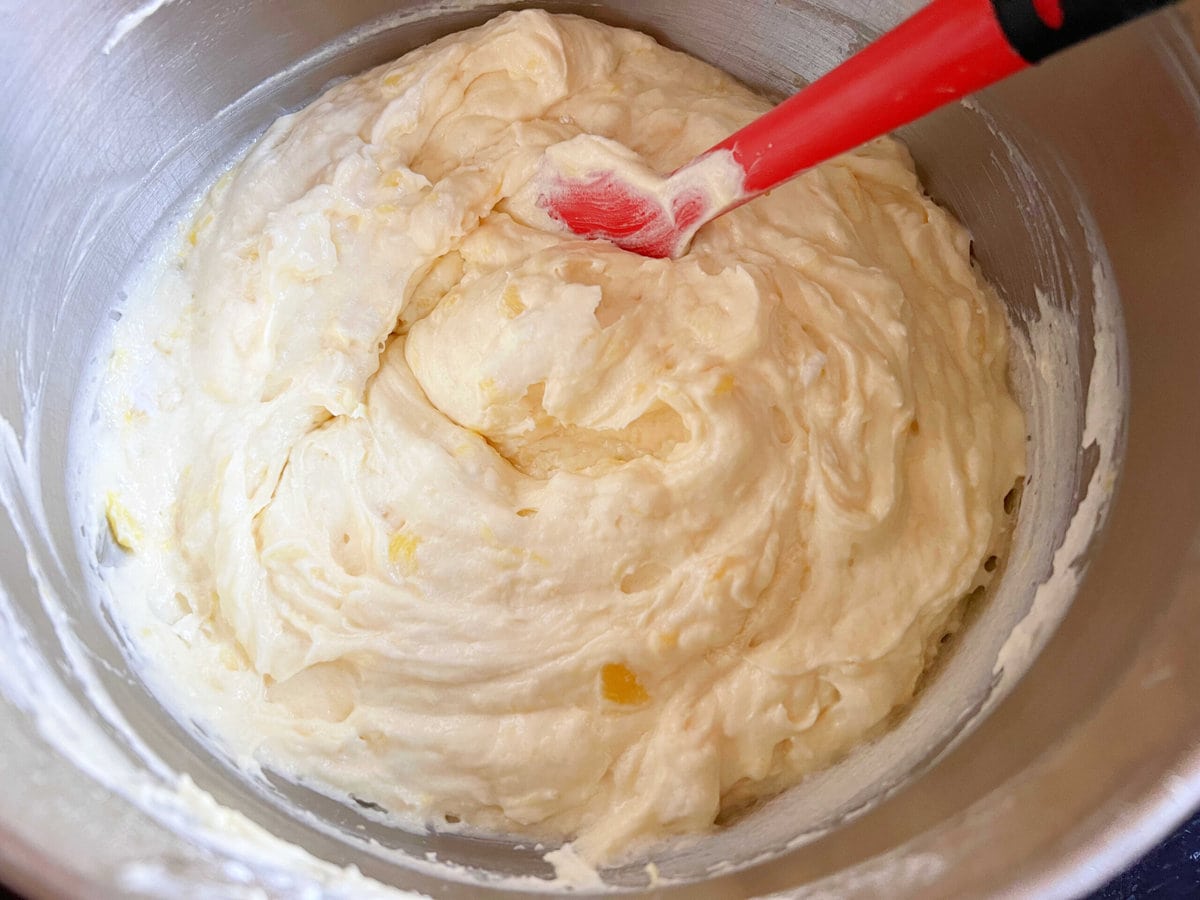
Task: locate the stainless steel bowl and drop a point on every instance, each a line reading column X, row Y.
column 1081, row 184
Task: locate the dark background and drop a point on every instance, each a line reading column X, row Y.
column 1169, row 871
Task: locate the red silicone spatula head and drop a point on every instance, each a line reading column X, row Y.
column 602, row 206
column 599, row 189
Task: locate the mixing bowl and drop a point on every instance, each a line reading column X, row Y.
column 1057, row 738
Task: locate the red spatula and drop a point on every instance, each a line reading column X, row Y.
column 949, row 49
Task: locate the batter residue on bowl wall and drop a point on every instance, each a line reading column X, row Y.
column 427, row 503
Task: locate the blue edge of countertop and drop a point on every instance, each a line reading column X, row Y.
column 1171, row 870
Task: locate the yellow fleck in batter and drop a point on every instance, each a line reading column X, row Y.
column 620, row 685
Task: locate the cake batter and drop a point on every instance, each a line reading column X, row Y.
column 422, row 501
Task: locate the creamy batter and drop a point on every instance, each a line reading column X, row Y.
column 423, row 501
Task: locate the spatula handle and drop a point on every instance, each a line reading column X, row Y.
column 1039, row 28
column 949, row 49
